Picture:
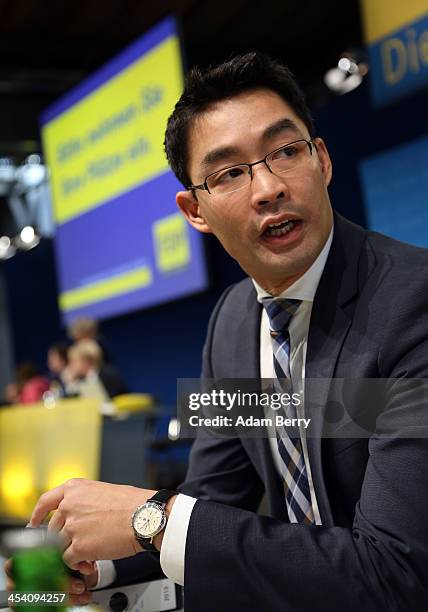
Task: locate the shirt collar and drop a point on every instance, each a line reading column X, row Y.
column 305, row 287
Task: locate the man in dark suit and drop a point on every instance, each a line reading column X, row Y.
column 347, row 526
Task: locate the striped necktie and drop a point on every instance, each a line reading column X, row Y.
column 296, row 484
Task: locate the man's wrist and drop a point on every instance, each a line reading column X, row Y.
column 158, row 539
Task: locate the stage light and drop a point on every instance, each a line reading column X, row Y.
column 7, row 174
column 348, row 74
column 7, row 169
column 7, row 250
column 32, row 173
column 27, row 239
column 27, row 234
column 5, row 242
column 333, row 78
column 344, row 64
column 174, row 429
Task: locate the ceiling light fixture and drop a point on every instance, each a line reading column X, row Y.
column 348, row 74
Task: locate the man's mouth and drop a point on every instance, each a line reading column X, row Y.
column 281, row 229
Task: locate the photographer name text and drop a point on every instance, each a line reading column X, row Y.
column 240, row 421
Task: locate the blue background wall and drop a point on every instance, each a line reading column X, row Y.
column 352, row 130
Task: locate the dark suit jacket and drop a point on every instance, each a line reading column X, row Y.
column 369, row 320
column 112, row 381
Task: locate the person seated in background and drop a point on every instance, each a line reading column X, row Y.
column 59, row 368
column 85, row 328
column 90, row 375
column 30, row 385
column 10, row 394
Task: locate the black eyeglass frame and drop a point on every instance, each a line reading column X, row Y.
column 204, row 186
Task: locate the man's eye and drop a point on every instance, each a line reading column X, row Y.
column 229, row 175
column 285, row 152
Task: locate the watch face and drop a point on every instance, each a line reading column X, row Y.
column 149, row 520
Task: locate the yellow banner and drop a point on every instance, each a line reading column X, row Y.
column 109, row 288
column 112, row 140
column 382, row 17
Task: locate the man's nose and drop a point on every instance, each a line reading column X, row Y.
column 266, row 186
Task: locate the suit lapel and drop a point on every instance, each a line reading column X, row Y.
column 246, row 363
column 330, row 322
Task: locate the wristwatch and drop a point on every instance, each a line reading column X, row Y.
column 149, row 519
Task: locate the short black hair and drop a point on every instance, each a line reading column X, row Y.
column 242, row 73
column 61, row 348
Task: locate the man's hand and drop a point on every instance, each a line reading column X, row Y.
column 78, row 589
column 93, row 519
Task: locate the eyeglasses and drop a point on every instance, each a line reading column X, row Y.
column 233, row 178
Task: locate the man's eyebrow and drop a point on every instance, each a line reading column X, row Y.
column 218, row 155
column 224, row 153
column 283, row 125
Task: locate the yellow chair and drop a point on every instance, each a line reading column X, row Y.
column 134, row 402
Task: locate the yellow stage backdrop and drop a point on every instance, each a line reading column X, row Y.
column 42, row 447
column 396, row 33
column 112, row 139
column 120, row 243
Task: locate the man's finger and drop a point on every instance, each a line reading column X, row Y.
column 80, row 600
column 77, row 587
column 47, row 502
column 87, row 568
column 57, row 522
column 70, row 558
column 76, row 563
column 65, row 539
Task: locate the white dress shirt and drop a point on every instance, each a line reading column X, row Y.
column 174, row 541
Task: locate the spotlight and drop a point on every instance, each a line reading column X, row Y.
column 7, row 250
column 32, row 173
column 28, row 238
column 348, row 65
column 5, row 242
column 27, row 234
column 7, row 174
column 348, row 74
column 174, row 429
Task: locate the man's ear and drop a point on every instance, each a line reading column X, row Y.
column 325, row 161
column 189, row 206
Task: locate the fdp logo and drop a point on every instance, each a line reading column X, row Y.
column 171, row 242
